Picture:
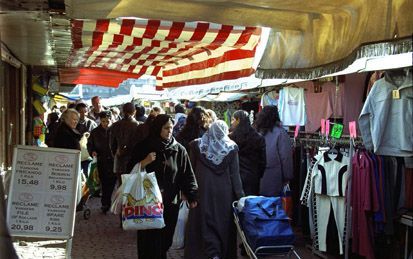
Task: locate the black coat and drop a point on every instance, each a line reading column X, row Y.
column 124, row 135
column 98, row 142
column 210, row 228
column 67, row 137
column 172, row 168
column 51, row 133
column 184, row 138
column 252, row 160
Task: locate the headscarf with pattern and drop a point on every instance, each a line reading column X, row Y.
column 215, row 144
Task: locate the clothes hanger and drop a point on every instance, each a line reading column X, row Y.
column 333, row 150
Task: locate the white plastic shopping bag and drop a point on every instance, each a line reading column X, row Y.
column 127, row 181
column 179, row 234
column 142, row 206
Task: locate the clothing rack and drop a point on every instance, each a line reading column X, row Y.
column 316, row 138
column 346, row 140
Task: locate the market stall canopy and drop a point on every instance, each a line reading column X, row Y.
column 308, row 39
column 206, row 92
column 224, row 97
column 176, row 53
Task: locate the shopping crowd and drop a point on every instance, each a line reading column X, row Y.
column 196, row 157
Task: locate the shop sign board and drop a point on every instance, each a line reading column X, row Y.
column 43, row 192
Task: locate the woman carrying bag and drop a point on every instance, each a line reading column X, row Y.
column 162, row 154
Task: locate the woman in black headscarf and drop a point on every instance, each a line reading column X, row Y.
column 252, row 156
column 162, row 154
column 196, row 125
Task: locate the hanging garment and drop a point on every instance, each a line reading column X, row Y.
column 292, row 110
column 379, row 216
column 307, row 196
column 336, row 96
column 318, row 106
column 408, row 202
column 330, row 175
column 330, row 182
column 392, row 183
column 364, row 202
column 385, row 121
column 324, row 203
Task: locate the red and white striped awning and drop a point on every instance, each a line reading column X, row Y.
column 177, row 53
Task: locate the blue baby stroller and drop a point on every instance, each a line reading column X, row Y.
column 264, row 227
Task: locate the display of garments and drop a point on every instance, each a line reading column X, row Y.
column 292, row 106
column 323, row 178
column 385, row 121
column 324, row 203
column 318, row 107
column 330, row 175
column 336, row 96
column 380, row 187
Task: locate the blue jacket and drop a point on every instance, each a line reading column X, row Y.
column 386, row 123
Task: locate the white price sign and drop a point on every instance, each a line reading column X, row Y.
column 43, row 192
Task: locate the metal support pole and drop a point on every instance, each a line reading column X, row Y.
column 69, row 248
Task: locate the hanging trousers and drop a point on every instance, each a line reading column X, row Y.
column 324, row 204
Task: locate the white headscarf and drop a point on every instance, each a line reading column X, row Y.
column 215, row 143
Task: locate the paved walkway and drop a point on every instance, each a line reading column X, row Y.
column 98, row 237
